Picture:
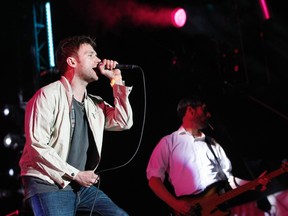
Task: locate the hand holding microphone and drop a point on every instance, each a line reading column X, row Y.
column 111, row 69
column 110, row 65
column 107, row 68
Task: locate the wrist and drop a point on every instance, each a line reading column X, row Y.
column 236, row 184
column 117, row 81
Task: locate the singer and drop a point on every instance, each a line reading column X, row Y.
column 64, row 128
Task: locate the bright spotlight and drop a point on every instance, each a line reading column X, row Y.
column 13, row 141
column 178, row 17
column 7, row 141
column 6, row 110
column 11, row 172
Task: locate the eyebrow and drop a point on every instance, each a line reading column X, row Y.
column 90, row 52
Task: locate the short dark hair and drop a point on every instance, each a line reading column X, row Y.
column 193, row 101
column 69, row 47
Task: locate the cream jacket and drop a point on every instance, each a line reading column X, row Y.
column 48, row 128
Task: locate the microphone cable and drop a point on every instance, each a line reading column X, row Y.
column 141, row 132
column 139, row 142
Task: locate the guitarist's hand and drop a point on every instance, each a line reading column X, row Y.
column 182, row 208
column 263, row 181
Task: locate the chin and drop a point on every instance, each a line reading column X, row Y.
column 94, row 78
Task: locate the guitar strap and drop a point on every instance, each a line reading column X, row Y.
column 210, row 141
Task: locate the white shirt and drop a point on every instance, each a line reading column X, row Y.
column 188, row 161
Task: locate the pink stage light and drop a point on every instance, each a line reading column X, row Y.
column 178, row 17
column 264, row 8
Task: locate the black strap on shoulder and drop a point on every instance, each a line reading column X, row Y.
column 209, row 142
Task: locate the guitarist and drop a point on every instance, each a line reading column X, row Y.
column 192, row 164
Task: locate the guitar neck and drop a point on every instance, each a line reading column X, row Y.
column 248, row 186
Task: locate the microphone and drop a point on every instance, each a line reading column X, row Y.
column 125, row 66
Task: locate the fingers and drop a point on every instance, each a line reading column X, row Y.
column 263, row 188
column 92, row 182
column 108, row 69
column 263, row 181
column 108, row 64
column 96, row 180
column 87, row 178
column 263, row 174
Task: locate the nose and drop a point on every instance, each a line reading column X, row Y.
column 97, row 60
column 208, row 114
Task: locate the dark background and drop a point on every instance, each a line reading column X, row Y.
column 248, row 106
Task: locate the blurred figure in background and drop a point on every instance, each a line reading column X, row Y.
column 195, row 165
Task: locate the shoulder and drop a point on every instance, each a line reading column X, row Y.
column 210, row 140
column 96, row 99
column 47, row 94
column 52, row 87
column 171, row 139
column 215, row 144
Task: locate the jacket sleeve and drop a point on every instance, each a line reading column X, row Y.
column 118, row 117
column 41, row 156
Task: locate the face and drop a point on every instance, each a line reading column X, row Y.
column 202, row 116
column 87, row 61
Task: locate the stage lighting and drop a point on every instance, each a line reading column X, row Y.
column 178, row 17
column 14, row 141
column 265, row 9
column 6, row 110
column 49, row 35
column 13, row 117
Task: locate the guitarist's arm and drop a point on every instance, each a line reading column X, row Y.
column 236, row 182
column 178, row 205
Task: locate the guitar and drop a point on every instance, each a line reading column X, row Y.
column 207, row 204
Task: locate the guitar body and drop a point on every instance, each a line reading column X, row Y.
column 212, row 201
column 203, row 204
column 205, row 208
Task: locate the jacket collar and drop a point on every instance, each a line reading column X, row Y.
column 69, row 91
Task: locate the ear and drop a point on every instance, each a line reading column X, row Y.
column 71, row 61
column 190, row 109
